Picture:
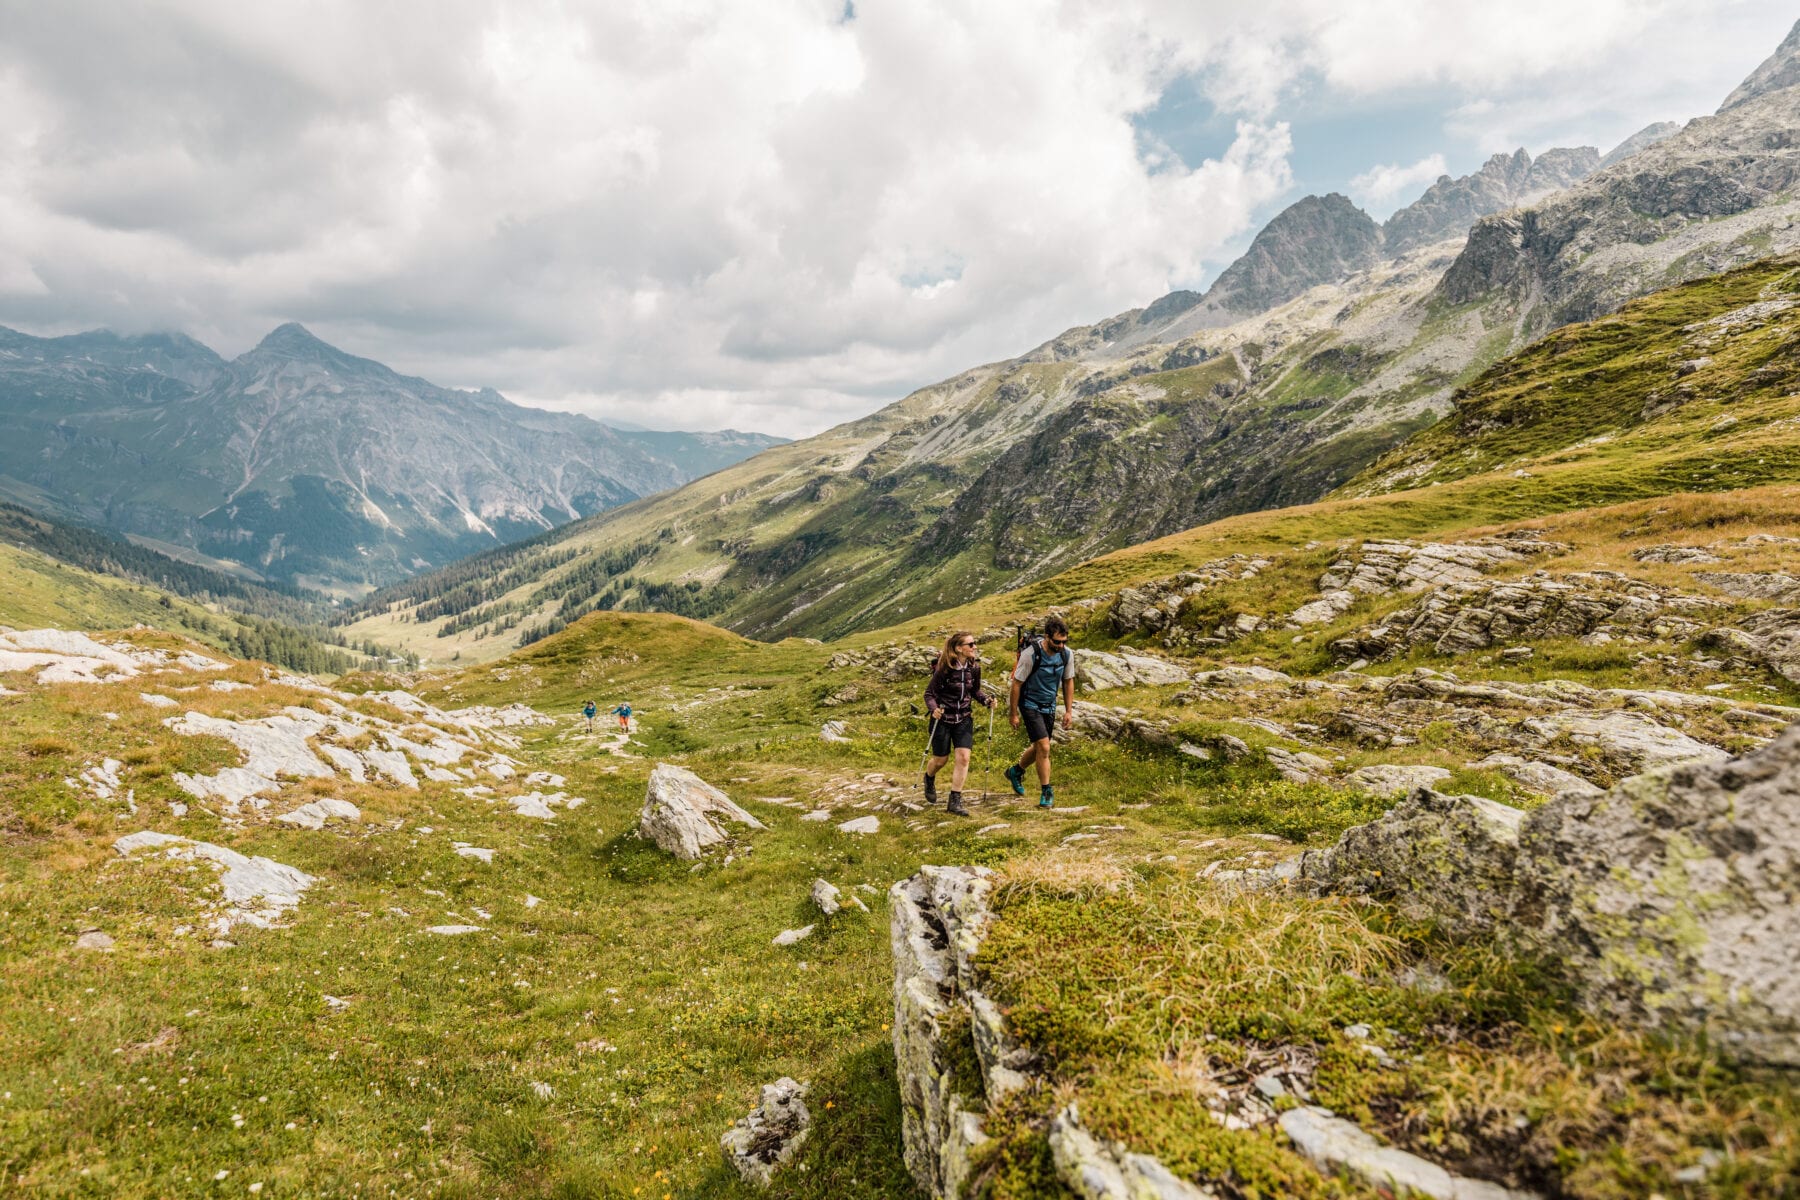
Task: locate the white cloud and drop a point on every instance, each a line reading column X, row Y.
column 1381, row 189
column 695, row 214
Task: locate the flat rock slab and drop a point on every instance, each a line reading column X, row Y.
column 258, row 891
column 453, row 930
column 861, row 825
column 788, row 937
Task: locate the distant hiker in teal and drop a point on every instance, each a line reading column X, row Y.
column 950, row 698
column 588, row 710
column 1046, row 667
column 623, row 712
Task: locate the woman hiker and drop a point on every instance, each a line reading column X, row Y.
column 588, row 710
column 950, row 698
column 1046, row 668
column 623, row 712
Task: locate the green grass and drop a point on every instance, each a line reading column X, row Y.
column 1144, row 998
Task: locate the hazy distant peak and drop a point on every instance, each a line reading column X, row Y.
column 296, row 340
column 1780, row 70
column 1643, row 139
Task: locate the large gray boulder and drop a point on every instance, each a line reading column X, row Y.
column 1672, row 900
column 679, row 811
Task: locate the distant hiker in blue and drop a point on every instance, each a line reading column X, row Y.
column 588, row 710
column 950, row 698
column 623, row 712
column 1046, row 667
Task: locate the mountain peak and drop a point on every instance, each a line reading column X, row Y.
column 1317, row 239
column 297, row 341
column 1780, row 70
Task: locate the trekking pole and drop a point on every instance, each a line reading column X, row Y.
column 930, row 729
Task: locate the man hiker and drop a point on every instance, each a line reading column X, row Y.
column 623, row 712
column 588, row 710
column 950, row 698
column 1046, row 666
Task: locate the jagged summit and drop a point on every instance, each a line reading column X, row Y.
column 1317, row 239
column 1780, row 70
column 1450, row 206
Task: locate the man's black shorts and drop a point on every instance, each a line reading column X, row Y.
column 946, row 734
column 1037, row 724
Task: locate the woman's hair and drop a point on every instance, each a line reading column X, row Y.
column 948, row 657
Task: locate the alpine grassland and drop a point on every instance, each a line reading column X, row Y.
column 473, row 998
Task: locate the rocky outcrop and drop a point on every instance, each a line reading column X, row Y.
column 1459, row 617
column 1154, row 607
column 761, row 1143
column 1643, row 139
column 938, row 919
column 678, row 812
column 1773, row 637
column 1672, row 900
column 1716, row 194
column 1382, row 567
column 1340, row 1147
column 1450, row 206
column 1096, row 1169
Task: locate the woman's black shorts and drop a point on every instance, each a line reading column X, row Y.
column 1037, row 724
column 960, row 734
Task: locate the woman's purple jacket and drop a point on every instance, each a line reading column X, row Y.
column 953, row 691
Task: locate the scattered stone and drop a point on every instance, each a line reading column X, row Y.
column 1298, row 767
column 542, row 805
column 788, row 937
column 314, row 814
column 1539, row 777
column 679, row 808
column 465, row 850
column 860, row 825
column 93, row 939
column 1757, row 585
column 817, row 814
column 453, row 930
column 156, row 701
column 1337, row 1146
column 1388, row 779
column 833, row 731
column 1328, row 607
column 762, row 1142
column 825, row 895
column 1097, row 1170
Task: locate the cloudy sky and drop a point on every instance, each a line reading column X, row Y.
column 772, row 215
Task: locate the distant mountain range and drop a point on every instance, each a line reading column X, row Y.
column 1332, row 340
column 305, row 464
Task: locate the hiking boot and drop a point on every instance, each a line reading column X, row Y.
column 931, row 789
column 955, row 807
column 1016, row 777
column 1047, row 797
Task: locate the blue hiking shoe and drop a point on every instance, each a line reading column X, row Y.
column 1016, row 777
column 1047, row 797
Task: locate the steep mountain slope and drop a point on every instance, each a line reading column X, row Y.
column 1450, row 206
column 306, row 463
column 1110, row 434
